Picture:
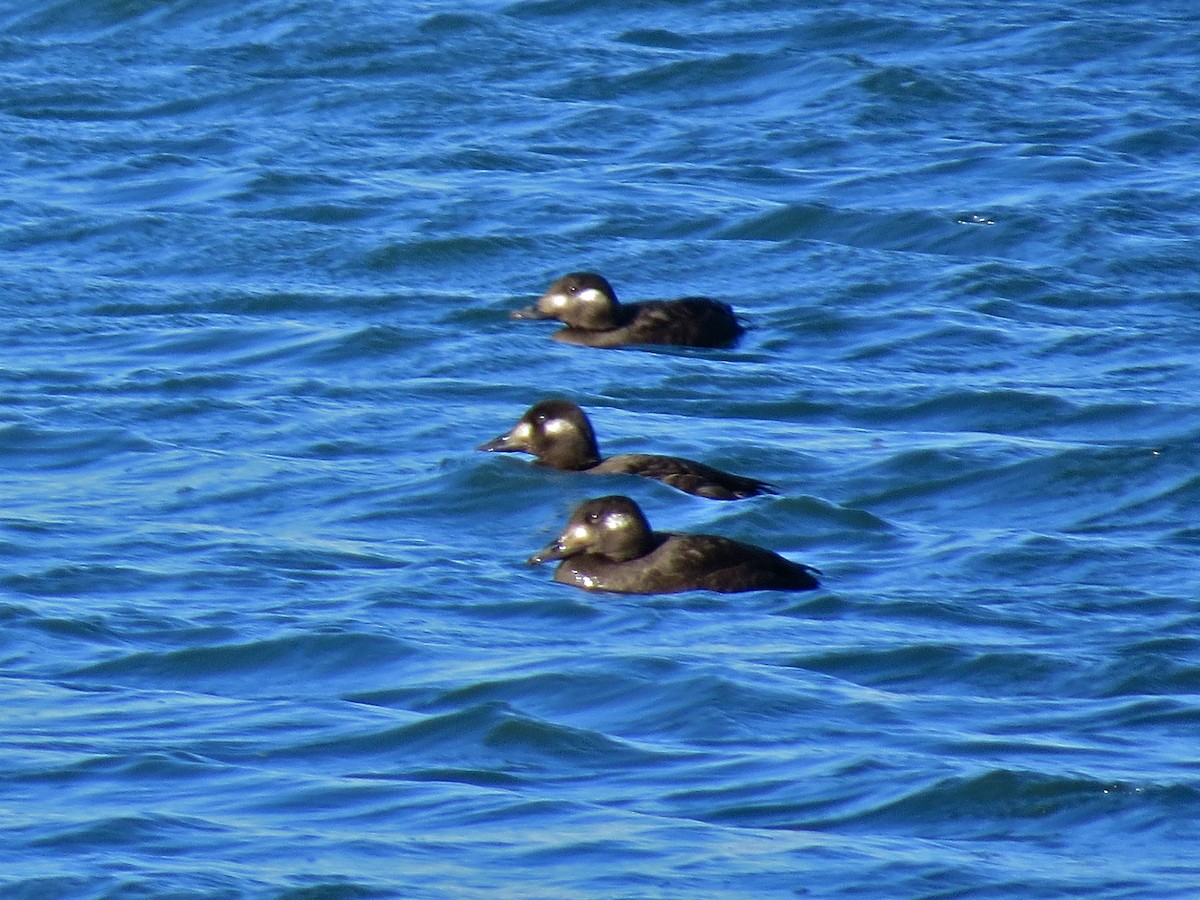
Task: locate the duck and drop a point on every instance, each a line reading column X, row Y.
column 587, row 305
column 559, row 435
column 608, row 545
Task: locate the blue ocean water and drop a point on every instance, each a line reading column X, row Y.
column 267, row 628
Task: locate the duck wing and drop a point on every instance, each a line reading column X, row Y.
column 686, row 475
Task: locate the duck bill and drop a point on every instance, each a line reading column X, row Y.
column 549, row 553
column 502, row 444
column 529, row 312
column 516, row 440
column 560, row 548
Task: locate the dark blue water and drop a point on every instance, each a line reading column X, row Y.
column 267, row 630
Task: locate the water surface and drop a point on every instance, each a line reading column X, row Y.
column 267, row 628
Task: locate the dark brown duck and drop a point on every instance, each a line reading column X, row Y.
column 560, row 436
column 608, row 545
column 587, row 305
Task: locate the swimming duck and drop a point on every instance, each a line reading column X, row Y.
column 586, row 303
column 559, row 435
column 609, row 546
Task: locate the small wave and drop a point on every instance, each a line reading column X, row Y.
column 486, row 737
column 998, row 411
column 1005, row 801
column 905, row 84
column 34, row 448
column 258, row 666
column 945, row 669
column 148, row 830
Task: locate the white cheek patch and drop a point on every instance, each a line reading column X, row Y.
column 522, row 431
column 589, row 295
column 580, row 532
column 555, row 426
column 557, row 301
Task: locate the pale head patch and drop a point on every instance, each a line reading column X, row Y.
column 615, row 521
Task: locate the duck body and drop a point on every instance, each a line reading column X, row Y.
column 608, row 545
column 587, row 305
column 559, row 435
